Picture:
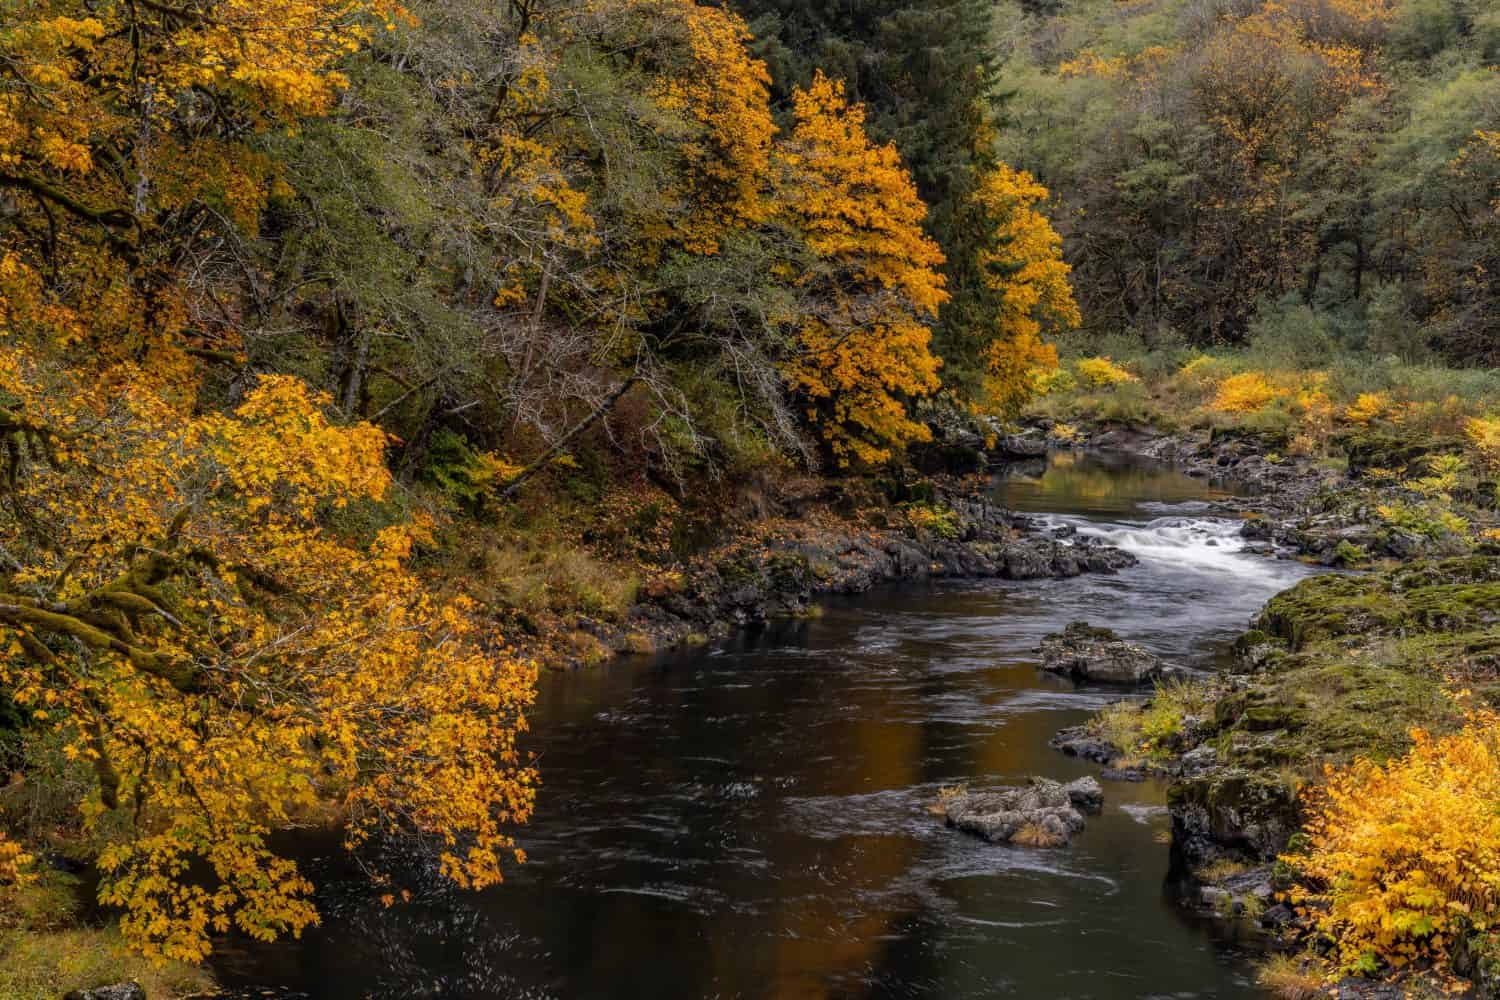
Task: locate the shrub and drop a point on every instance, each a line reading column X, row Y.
column 1050, row 380
column 1205, row 370
column 1443, row 475
column 1248, row 392
column 1484, row 434
column 1403, row 859
column 15, row 865
column 1421, row 519
column 1367, row 407
column 932, row 519
column 1102, row 372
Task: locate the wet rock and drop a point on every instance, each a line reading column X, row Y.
column 1231, row 812
column 1199, row 760
column 1014, row 446
column 1080, row 741
column 1086, row 795
column 1278, row 916
column 1042, row 813
column 119, row 991
column 1084, row 652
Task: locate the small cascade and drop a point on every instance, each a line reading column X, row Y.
column 1207, row 545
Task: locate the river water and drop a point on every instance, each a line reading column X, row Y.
column 749, row 820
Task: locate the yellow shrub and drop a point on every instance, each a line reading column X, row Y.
column 15, row 863
column 1369, row 406
column 1248, row 392
column 1204, row 370
column 1049, row 380
column 1444, row 473
column 931, row 519
column 1484, row 435
column 1102, row 372
column 1406, row 855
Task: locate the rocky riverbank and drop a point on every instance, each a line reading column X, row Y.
column 781, row 566
column 1338, row 667
column 1374, row 500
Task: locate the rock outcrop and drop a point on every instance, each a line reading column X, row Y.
column 1042, row 813
column 1098, row 655
column 119, row 991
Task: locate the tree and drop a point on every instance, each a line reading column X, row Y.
column 923, row 70
column 874, row 289
column 1209, row 169
column 1026, row 281
column 180, row 606
column 122, row 129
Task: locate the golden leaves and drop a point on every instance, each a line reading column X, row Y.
column 1406, row 855
column 727, row 92
column 255, row 660
column 1022, row 261
column 866, row 347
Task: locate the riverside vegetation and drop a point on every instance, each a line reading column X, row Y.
column 359, row 359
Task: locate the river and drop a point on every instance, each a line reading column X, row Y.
column 748, row 820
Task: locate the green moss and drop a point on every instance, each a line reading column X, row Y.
column 1328, row 606
column 47, row 950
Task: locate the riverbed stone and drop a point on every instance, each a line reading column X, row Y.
column 1086, row 795
column 1041, row 813
column 119, row 991
column 1084, row 652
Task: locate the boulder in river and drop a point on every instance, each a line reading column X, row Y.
column 1084, row 652
column 1009, row 447
column 1042, row 813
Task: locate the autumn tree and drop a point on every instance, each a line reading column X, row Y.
column 180, row 608
column 122, row 149
column 1027, row 291
column 874, row 289
column 924, row 72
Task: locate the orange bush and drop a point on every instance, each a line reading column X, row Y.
column 1248, row 392
column 1406, row 855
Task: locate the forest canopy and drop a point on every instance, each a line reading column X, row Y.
column 1318, row 169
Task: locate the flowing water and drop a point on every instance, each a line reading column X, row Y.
column 749, row 820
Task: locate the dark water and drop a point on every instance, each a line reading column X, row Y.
column 748, row 820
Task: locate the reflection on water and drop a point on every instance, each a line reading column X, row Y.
column 750, row 820
column 1101, row 485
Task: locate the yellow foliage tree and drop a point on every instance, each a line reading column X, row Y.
column 727, row 92
column 178, row 606
column 1406, row 855
column 1367, row 407
column 1484, row 435
column 873, row 288
column 121, row 138
column 1022, row 264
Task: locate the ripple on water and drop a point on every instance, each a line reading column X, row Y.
column 751, row 819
